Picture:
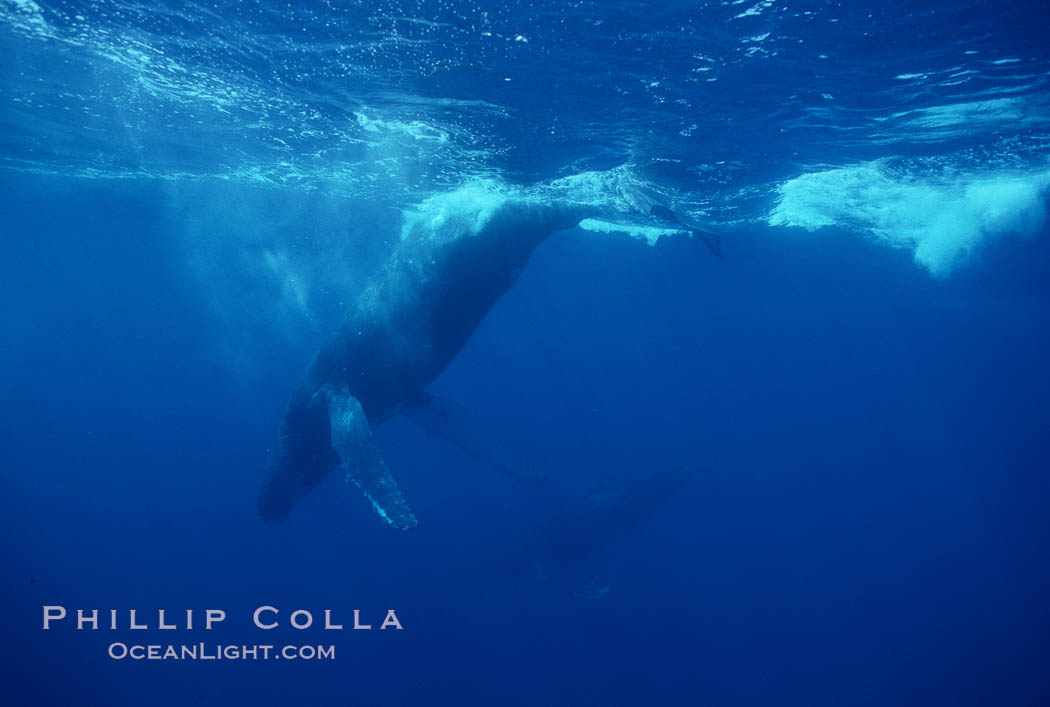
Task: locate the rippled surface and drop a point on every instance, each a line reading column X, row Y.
column 721, row 104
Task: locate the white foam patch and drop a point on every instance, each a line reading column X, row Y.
column 604, row 190
column 942, row 221
column 467, row 209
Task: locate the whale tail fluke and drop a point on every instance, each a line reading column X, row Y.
column 317, row 434
column 648, row 205
column 712, row 240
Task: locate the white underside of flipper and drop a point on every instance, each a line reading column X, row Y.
column 361, row 460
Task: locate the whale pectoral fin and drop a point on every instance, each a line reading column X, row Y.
column 481, row 437
column 362, row 462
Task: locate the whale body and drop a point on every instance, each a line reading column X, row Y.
column 443, row 277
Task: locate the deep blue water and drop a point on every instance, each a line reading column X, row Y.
column 857, row 393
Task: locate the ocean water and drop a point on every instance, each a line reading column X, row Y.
column 813, row 472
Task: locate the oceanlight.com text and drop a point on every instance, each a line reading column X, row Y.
column 217, row 651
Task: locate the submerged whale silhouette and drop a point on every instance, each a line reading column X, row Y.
column 562, row 548
column 450, row 267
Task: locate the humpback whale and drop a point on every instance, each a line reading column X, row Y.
column 448, row 270
column 562, row 548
